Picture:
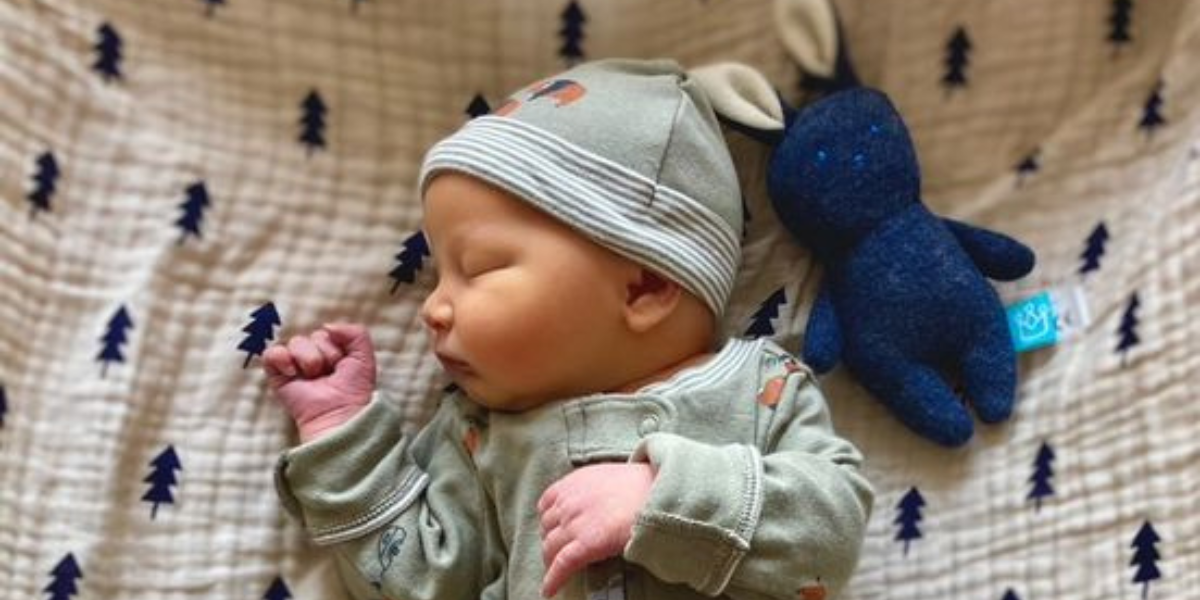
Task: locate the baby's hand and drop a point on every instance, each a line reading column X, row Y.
column 587, row 516
column 322, row 379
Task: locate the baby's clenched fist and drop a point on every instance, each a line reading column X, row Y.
column 323, row 378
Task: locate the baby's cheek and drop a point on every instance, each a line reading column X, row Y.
column 505, row 338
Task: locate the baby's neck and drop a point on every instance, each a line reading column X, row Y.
column 664, row 373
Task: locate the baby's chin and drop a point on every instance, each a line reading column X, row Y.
column 502, row 400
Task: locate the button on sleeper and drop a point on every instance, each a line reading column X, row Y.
column 648, row 425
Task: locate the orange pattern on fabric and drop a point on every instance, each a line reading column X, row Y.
column 471, row 440
column 772, row 390
column 814, row 591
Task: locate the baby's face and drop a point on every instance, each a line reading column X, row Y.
column 526, row 309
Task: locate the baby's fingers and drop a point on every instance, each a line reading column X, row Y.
column 307, row 357
column 328, row 349
column 277, row 364
column 566, row 563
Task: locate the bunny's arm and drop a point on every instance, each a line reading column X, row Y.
column 822, row 336
column 998, row 256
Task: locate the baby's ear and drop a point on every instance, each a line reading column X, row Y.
column 651, row 299
column 742, row 98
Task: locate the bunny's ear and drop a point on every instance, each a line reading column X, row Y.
column 742, row 98
column 809, row 31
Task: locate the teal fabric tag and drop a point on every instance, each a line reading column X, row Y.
column 1033, row 322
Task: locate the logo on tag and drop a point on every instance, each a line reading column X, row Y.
column 1033, row 322
column 1048, row 318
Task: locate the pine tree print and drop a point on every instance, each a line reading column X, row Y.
column 1152, row 117
column 958, row 50
column 1094, row 249
column 312, row 122
column 1043, row 472
column 760, row 321
column 1127, row 332
column 210, row 7
column 161, row 478
column 44, row 181
column 64, row 575
column 195, row 201
column 1118, row 21
column 573, row 20
column 1027, row 167
column 108, row 53
column 1009, row 594
column 278, row 590
column 113, row 339
column 478, row 107
column 411, row 259
column 261, row 330
column 3, row 405
column 908, row 515
column 1145, row 557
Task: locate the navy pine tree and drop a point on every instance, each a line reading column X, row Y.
column 1152, row 117
column 1127, row 332
column 44, row 181
column 573, row 20
column 1093, row 249
column 1028, row 166
column 1118, row 24
column 760, row 321
column 161, row 478
column 63, row 578
column 958, row 51
column 1009, row 594
column 478, row 107
column 1043, row 472
column 908, row 515
column 210, row 7
column 312, row 122
column 410, row 260
column 261, row 330
column 3, row 405
column 194, row 203
column 278, row 590
column 108, row 53
column 1145, row 557
column 113, row 339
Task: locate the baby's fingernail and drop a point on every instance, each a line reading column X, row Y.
column 289, row 370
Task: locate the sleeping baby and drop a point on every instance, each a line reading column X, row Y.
column 599, row 441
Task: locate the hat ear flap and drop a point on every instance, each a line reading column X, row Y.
column 742, row 98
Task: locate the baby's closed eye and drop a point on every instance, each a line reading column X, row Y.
column 479, row 263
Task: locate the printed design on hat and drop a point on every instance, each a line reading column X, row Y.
column 561, row 91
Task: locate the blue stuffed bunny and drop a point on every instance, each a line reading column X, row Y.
column 904, row 301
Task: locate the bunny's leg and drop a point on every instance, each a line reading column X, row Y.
column 990, row 372
column 920, row 398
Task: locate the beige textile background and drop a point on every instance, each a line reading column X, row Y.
column 218, row 99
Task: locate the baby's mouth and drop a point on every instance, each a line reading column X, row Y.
column 453, row 365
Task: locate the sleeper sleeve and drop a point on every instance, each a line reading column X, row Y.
column 404, row 515
column 756, row 521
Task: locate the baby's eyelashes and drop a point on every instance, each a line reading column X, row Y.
column 476, row 264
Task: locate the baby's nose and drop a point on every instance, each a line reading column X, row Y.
column 437, row 314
